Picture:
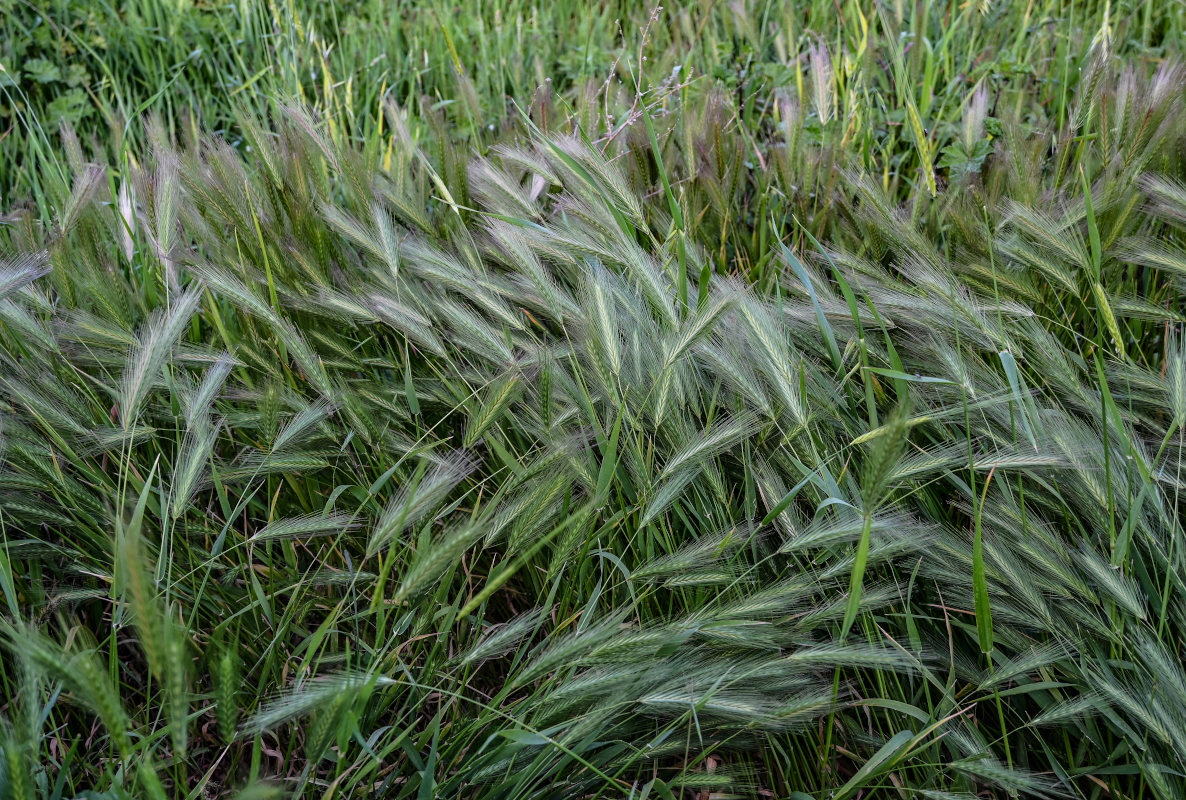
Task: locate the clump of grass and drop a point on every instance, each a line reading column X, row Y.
column 522, row 476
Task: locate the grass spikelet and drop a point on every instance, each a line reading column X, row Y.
column 503, row 637
column 16, row 771
column 80, row 674
column 704, row 445
column 154, row 345
column 195, row 453
column 302, row 424
column 408, row 321
column 418, row 498
column 309, row 697
column 136, row 570
column 177, row 684
column 227, row 676
column 18, row 272
column 848, row 655
column 198, row 404
column 434, row 560
column 306, row 526
column 491, row 407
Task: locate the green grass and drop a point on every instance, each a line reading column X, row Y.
column 362, row 449
column 864, row 71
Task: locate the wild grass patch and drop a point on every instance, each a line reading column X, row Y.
column 608, row 466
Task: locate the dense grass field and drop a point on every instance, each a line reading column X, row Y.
column 507, row 400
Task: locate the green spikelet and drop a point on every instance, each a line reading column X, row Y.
column 136, row 572
column 497, row 399
column 141, row 599
column 79, row 672
column 177, row 685
column 93, row 685
column 226, row 686
column 14, row 767
column 545, row 393
column 884, row 454
column 269, row 412
column 323, row 727
column 161, row 639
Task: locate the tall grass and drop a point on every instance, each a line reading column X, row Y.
column 385, row 469
column 885, row 82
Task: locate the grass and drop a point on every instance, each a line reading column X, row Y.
column 811, row 431
column 884, row 82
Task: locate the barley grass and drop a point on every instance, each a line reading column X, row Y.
column 736, row 446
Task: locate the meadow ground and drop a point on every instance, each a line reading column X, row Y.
column 501, row 400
